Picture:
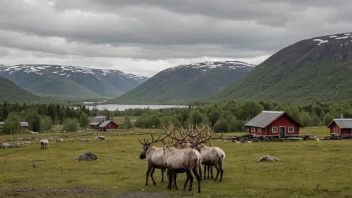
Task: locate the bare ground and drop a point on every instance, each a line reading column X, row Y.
column 86, row 192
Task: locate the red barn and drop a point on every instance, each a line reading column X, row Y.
column 97, row 121
column 342, row 126
column 108, row 125
column 273, row 123
column 24, row 126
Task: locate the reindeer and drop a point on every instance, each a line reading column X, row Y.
column 182, row 160
column 44, row 144
column 154, row 156
column 211, row 156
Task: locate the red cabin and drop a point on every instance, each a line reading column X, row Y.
column 273, row 123
column 108, row 125
column 342, row 126
column 24, row 126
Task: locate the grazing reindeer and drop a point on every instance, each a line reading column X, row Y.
column 155, row 158
column 211, row 156
column 44, row 144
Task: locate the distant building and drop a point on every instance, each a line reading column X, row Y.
column 108, row 125
column 24, row 126
column 97, row 121
column 273, row 123
column 1, row 125
column 341, row 126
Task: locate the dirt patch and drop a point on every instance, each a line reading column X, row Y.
column 143, row 195
column 85, row 192
column 46, row 192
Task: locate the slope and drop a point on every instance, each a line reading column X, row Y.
column 9, row 91
column 71, row 82
column 316, row 69
column 186, row 83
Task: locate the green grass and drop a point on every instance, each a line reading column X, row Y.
column 305, row 169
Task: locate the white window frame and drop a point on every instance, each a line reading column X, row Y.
column 291, row 127
column 274, row 127
column 259, row 130
column 253, row 129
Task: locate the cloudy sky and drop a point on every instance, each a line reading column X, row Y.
column 147, row 36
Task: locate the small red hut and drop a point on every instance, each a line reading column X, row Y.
column 24, row 126
column 273, row 123
column 108, row 125
column 341, row 126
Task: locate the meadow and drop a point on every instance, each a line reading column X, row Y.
column 305, row 169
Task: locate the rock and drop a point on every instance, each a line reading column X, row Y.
column 5, row 145
column 84, row 140
column 88, row 156
column 268, row 158
column 11, row 139
column 36, row 165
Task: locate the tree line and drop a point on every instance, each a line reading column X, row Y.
column 222, row 117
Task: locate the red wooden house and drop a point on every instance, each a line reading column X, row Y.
column 108, row 125
column 273, row 123
column 24, row 126
column 97, row 121
column 342, row 126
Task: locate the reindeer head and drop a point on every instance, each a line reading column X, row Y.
column 146, row 145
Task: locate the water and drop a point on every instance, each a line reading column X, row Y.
column 113, row 107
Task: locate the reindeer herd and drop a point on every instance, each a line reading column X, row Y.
column 186, row 152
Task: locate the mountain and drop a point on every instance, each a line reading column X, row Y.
column 9, row 91
column 318, row 69
column 186, row 83
column 71, row 82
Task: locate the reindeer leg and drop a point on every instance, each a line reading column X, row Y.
column 221, row 170
column 198, row 177
column 208, row 171
column 211, row 172
column 184, row 186
column 174, row 175
column 147, row 174
column 151, row 175
column 189, row 174
column 205, row 172
column 200, row 171
column 170, row 180
column 162, row 174
column 217, row 171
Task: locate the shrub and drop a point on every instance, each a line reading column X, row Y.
column 71, row 124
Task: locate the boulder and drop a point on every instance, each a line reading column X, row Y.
column 88, row 156
column 268, row 158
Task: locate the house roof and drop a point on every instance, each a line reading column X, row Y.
column 99, row 119
column 104, row 124
column 1, row 123
column 343, row 123
column 24, row 124
column 94, row 123
column 267, row 117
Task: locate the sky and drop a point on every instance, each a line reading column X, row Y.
column 144, row 37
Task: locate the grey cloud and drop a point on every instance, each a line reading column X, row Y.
column 164, row 29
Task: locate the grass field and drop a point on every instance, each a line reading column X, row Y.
column 305, row 169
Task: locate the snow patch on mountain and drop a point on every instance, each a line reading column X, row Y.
column 231, row 65
column 66, row 70
column 326, row 39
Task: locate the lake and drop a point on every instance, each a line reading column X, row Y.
column 120, row 107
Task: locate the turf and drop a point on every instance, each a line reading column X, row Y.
column 305, row 169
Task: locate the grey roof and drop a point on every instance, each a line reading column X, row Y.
column 104, row 124
column 267, row 117
column 343, row 123
column 1, row 123
column 94, row 123
column 100, row 118
column 24, row 124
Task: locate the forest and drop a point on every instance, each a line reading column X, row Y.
column 223, row 117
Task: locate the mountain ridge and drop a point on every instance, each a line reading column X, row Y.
column 316, row 68
column 186, row 83
column 71, row 81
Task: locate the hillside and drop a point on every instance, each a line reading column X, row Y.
column 312, row 69
column 9, row 91
column 186, row 83
column 70, row 82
